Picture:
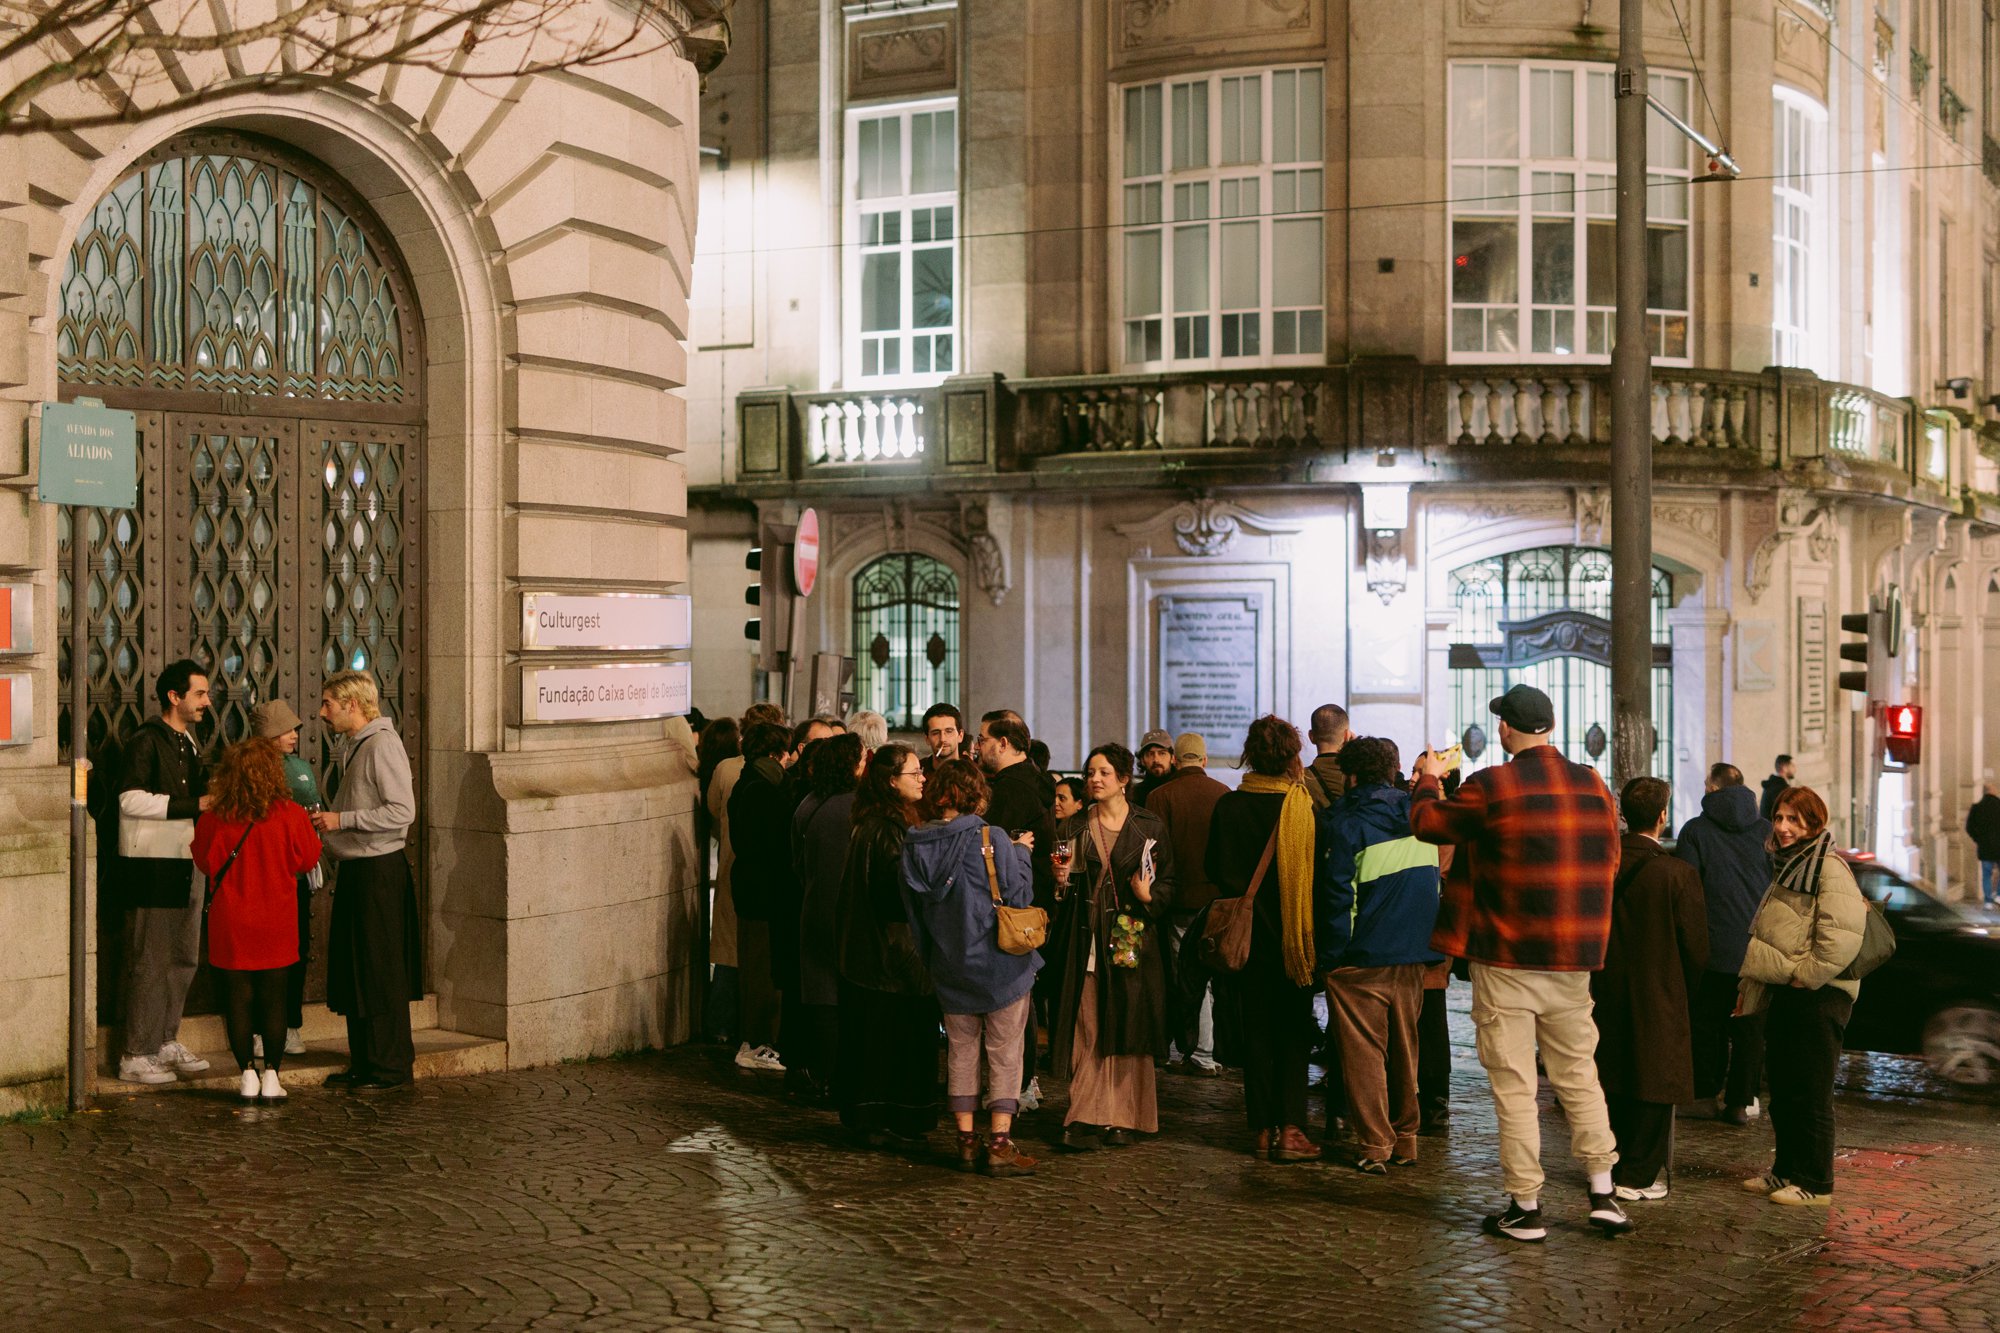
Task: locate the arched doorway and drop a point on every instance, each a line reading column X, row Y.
column 1543, row 617
column 256, row 317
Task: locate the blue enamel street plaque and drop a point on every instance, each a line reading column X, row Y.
column 90, row 456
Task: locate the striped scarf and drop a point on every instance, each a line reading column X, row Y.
column 1798, row 866
column 1295, row 870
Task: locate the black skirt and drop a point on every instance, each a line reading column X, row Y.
column 886, row 1080
column 374, row 958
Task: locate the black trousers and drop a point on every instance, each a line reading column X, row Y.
column 1645, row 1134
column 295, row 975
column 253, row 1004
column 1728, row 1052
column 372, row 965
column 1434, row 1056
column 1278, row 1038
column 1804, row 1029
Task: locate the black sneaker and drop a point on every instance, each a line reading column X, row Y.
column 1517, row 1223
column 1607, row 1216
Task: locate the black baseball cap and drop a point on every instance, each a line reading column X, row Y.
column 1525, row 708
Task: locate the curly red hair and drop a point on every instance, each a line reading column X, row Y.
column 249, row 780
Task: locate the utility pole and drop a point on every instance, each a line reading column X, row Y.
column 1631, row 426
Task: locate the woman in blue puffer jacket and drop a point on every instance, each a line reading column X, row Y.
column 1375, row 902
column 986, row 993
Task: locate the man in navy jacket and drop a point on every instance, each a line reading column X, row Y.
column 1727, row 846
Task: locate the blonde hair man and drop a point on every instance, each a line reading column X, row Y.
column 373, row 967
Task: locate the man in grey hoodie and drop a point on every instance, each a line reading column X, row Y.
column 374, row 961
column 1728, row 845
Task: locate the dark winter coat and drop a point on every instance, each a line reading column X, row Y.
column 166, row 762
column 1186, row 806
column 950, row 902
column 1131, row 1001
column 1774, row 787
column 760, row 830
column 1982, row 824
column 1658, row 947
column 876, row 947
column 1237, row 835
column 1021, row 795
column 822, row 828
column 1726, row 844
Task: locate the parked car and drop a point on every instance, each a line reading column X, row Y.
column 1939, row 996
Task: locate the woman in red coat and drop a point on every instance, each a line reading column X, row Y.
column 253, row 843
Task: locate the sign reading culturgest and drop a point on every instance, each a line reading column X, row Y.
column 1208, row 665
column 649, row 621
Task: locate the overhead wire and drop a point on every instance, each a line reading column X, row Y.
column 1457, row 201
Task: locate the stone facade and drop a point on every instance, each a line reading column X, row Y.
column 1784, row 497
column 547, row 228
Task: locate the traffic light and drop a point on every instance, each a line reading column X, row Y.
column 770, row 629
column 1882, row 626
column 1903, row 733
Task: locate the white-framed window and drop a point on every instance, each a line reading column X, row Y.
column 902, row 243
column 1533, row 238
column 1222, row 239
column 1801, row 243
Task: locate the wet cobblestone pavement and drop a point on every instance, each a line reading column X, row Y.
column 674, row 1191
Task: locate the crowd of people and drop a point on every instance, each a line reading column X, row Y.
column 882, row 913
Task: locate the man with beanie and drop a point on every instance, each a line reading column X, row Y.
column 1528, row 905
column 1185, row 806
column 275, row 721
column 1727, row 846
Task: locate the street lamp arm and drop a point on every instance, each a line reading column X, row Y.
column 1721, row 166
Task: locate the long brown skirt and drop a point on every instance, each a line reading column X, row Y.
column 1115, row 1091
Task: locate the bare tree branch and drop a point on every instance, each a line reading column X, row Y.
column 129, row 52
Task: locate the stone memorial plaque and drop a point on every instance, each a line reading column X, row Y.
column 1208, row 666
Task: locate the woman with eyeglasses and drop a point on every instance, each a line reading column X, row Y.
column 885, row 1080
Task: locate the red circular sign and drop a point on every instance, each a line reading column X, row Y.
column 805, row 553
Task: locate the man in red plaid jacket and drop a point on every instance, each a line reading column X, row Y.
column 1528, row 905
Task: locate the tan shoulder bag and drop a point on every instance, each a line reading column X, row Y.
column 1022, row 929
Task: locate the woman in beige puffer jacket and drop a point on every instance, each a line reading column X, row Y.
column 1806, row 933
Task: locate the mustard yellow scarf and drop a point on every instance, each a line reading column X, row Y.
column 1295, row 870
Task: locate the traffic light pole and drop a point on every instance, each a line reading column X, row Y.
column 1631, row 425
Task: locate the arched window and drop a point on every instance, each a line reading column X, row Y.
column 905, row 637
column 1543, row 617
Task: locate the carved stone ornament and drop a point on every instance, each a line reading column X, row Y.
column 1704, row 521
column 989, row 559
column 1796, row 514
column 1155, row 23
column 1593, row 515
column 1388, row 568
column 1206, row 526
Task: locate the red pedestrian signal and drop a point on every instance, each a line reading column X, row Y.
column 1904, row 739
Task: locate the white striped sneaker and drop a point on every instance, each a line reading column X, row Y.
column 176, row 1056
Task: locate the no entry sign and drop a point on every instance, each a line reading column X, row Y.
column 805, row 553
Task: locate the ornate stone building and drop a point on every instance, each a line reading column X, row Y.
column 1167, row 363
column 400, row 349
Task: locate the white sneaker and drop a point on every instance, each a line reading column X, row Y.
column 143, row 1069
column 1656, row 1190
column 762, row 1057
column 249, row 1085
column 295, row 1042
column 270, row 1089
column 1031, row 1100
column 256, row 1046
column 1754, row 1109
column 176, row 1056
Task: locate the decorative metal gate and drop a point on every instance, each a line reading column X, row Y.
column 905, row 637
column 245, row 305
column 1543, row 617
